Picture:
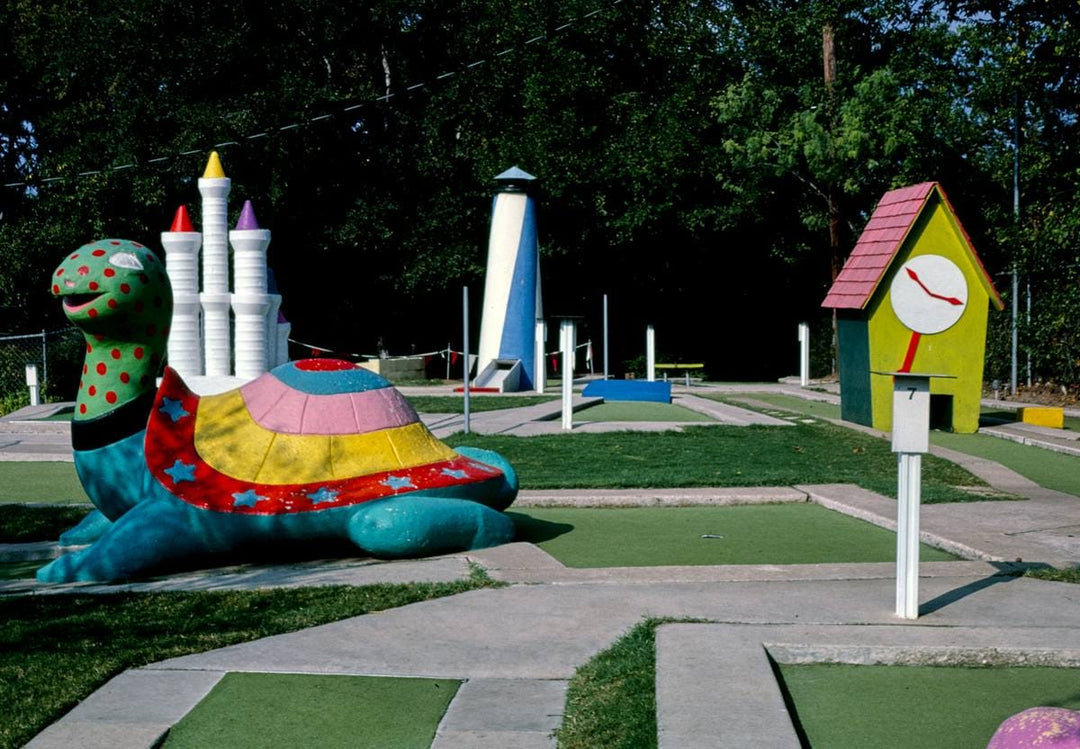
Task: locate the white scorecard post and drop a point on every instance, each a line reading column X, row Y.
column 32, row 383
column 804, row 354
column 567, row 337
column 910, row 439
column 650, row 354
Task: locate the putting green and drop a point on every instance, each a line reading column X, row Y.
column 801, row 533
column 313, row 711
column 899, row 707
column 644, row 411
column 53, row 482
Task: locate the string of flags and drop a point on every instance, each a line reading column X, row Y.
column 320, row 352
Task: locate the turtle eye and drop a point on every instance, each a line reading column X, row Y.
column 125, row 260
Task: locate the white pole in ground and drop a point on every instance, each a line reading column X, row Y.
column 908, row 495
column 465, row 351
column 32, row 383
column 650, row 354
column 540, row 375
column 566, row 335
column 804, row 354
column 607, row 374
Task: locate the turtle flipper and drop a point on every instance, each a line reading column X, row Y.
column 417, row 525
column 87, row 530
column 150, row 535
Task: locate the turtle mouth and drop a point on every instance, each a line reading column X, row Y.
column 79, row 302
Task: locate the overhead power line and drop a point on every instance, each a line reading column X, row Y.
column 34, row 182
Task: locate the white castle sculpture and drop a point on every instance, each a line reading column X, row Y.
column 204, row 341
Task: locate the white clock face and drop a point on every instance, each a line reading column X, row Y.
column 929, row 294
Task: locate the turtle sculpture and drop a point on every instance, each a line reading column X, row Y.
column 315, row 449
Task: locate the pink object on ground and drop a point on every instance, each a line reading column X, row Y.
column 1039, row 728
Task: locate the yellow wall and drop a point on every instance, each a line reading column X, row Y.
column 957, row 351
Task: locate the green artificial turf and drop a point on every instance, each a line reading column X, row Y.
column 802, row 533
column 52, row 482
column 252, row 711
column 455, row 404
column 635, row 411
column 1046, row 468
column 719, row 456
column 790, row 403
column 931, row 707
column 55, row 650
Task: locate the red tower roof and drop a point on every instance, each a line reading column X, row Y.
column 181, row 221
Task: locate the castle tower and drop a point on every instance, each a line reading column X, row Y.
column 214, row 187
column 181, row 245
column 250, row 302
column 512, row 303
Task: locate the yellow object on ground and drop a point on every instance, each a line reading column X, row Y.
column 1044, row 416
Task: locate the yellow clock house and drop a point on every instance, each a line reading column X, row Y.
column 913, row 296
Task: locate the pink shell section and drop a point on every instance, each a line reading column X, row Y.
column 279, row 408
column 1039, row 728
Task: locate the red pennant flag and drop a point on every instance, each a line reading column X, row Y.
column 555, row 363
column 453, row 357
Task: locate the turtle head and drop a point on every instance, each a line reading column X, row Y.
column 115, row 287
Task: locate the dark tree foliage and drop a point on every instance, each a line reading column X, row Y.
column 686, row 153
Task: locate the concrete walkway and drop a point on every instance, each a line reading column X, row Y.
column 517, row 647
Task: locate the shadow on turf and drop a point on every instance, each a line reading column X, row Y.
column 534, row 530
column 1007, row 571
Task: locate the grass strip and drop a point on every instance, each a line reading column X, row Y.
column 611, row 701
column 455, row 404
column 1045, row 467
column 644, row 411
column 40, row 481
column 801, row 533
column 842, row 706
column 719, row 456
column 315, row 711
column 1069, row 575
column 56, row 650
column 23, row 524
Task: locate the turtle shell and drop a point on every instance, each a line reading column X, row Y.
column 308, row 435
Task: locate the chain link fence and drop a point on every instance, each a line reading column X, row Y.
column 57, row 355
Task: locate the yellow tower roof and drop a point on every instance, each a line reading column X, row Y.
column 213, row 167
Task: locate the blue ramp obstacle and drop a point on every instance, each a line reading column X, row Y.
column 629, row 390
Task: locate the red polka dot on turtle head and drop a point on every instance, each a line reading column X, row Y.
column 115, row 353
column 109, row 272
column 151, row 329
column 144, row 278
column 60, row 272
column 83, row 270
column 82, row 408
column 139, row 306
column 74, row 257
column 89, row 348
column 124, row 288
column 93, row 286
column 99, row 337
column 98, row 253
column 101, row 368
column 55, row 289
column 125, row 378
column 114, row 242
column 93, row 390
column 138, row 352
column 92, row 313
column 85, row 369
column 110, row 397
column 112, row 304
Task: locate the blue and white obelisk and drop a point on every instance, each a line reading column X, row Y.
column 512, row 301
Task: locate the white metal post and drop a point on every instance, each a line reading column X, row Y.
column 804, row 354
column 607, row 374
column 908, row 497
column 32, row 383
column 566, row 335
column 650, row 354
column 465, row 351
column 540, row 366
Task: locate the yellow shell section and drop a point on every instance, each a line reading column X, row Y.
column 230, row 441
column 957, row 351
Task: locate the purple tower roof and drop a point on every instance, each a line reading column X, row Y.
column 247, row 218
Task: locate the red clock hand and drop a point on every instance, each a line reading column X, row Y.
column 950, row 299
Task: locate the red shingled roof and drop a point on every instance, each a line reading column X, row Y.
column 881, row 240
column 877, row 245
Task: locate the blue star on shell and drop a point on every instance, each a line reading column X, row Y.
column 398, row 482
column 322, row 496
column 247, row 499
column 180, row 471
column 454, row 473
column 174, row 409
